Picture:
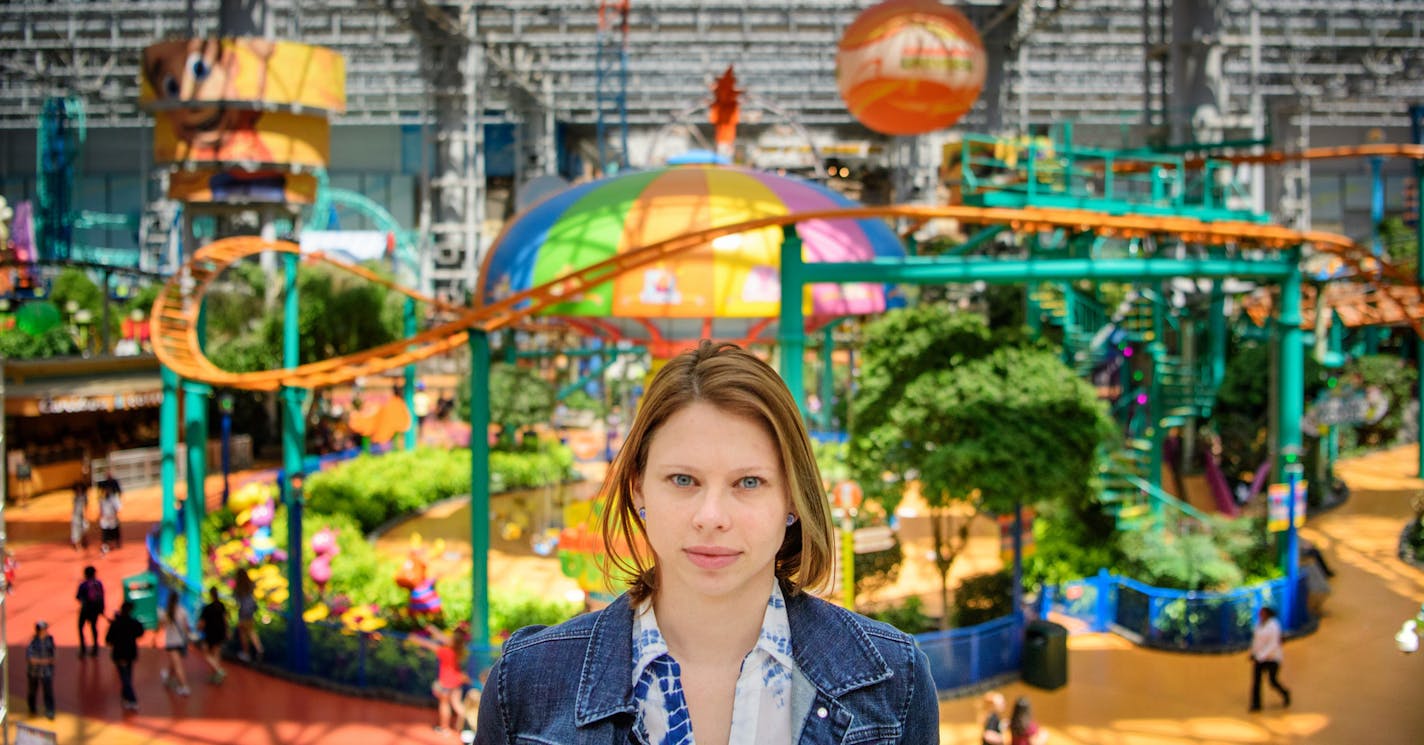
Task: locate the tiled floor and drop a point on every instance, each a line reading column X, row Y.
column 1351, row 686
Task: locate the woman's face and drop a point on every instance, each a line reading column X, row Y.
column 716, row 500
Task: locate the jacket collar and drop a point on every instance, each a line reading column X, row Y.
column 830, row 648
column 606, row 682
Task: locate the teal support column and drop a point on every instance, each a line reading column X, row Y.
column 168, row 459
column 1070, row 322
column 479, row 486
column 293, row 452
column 1217, row 336
column 1416, row 131
column 195, row 435
column 828, row 373
column 1291, row 372
column 412, row 435
column 792, row 328
column 1156, row 351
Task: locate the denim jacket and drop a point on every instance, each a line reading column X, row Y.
column 859, row 681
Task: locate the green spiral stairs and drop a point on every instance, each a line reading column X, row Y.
column 1178, row 392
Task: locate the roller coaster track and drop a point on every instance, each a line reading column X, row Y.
column 175, row 312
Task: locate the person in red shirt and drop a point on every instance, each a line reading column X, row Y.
column 451, row 651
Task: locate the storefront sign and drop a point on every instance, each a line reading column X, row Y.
column 115, row 402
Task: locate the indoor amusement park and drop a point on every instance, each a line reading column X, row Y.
column 415, row 372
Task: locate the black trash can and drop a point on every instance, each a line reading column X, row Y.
column 1045, row 655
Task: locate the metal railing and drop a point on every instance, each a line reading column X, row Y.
column 967, row 657
column 1177, row 619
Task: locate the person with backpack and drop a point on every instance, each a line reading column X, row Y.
column 122, row 638
column 91, row 605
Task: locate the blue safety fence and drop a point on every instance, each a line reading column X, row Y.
column 967, row 657
column 1177, row 619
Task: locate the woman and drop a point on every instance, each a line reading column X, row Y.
column 1023, row 730
column 78, row 519
column 243, row 591
column 450, row 678
column 173, row 624
column 1266, row 656
column 716, row 496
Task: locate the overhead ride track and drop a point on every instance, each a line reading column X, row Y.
column 178, row 345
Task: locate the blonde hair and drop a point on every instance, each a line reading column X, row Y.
column 738, row 383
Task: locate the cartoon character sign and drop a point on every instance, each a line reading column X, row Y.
column 248, row 100
column 424, row 600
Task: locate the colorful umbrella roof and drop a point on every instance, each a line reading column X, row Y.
column 735, row 276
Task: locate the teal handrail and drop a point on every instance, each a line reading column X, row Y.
column 1157, row 495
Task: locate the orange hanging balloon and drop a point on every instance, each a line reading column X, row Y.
column 906, row 67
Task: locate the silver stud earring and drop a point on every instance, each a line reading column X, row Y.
column 790, row 519
column 642, row 513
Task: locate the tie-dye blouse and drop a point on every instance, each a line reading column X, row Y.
column 761, row 709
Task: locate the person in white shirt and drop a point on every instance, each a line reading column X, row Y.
column 1266, row 656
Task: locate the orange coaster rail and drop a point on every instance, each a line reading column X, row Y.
column 175, row 328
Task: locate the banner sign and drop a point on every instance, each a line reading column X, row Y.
column 251, row 139
column 257, row 73
column 242, row 187
column 1278, row 512
column 1351, row 406
column 1006, row 535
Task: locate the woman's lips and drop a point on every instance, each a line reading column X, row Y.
column 711, row 557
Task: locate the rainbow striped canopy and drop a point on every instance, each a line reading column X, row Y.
column 734, row 277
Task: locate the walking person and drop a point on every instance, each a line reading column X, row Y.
column 1023, row 730
column 996, row 727
column 24, row 478
column 173, row 625
column 212, row 623
column 122, row 638
column 720, row 637
column 91, row 605
column 39, row 664
column 78, row 517
column 1266, row 656
column 109, row 506
column 450, row 678
column 249, row 644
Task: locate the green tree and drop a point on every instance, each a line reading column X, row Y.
column 983, row 419
column 74, row 285
column 518, row 398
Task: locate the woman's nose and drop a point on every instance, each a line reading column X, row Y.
column 712, row 512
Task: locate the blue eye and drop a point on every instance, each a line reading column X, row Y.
column 170, row 87
column 749, row 482
column 681, row 479
column 198, row 67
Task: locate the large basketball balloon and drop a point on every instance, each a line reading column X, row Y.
column 906, row 67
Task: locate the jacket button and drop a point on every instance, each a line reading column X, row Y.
column 822, row 713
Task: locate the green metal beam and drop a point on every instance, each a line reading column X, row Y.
column 293, row 453
column 937, row 270
column 975, row 241
column 479, row 486
column 168, row 459
column 412, row 435
column 195, row 430
column 791, row 328
column 1291, row 367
